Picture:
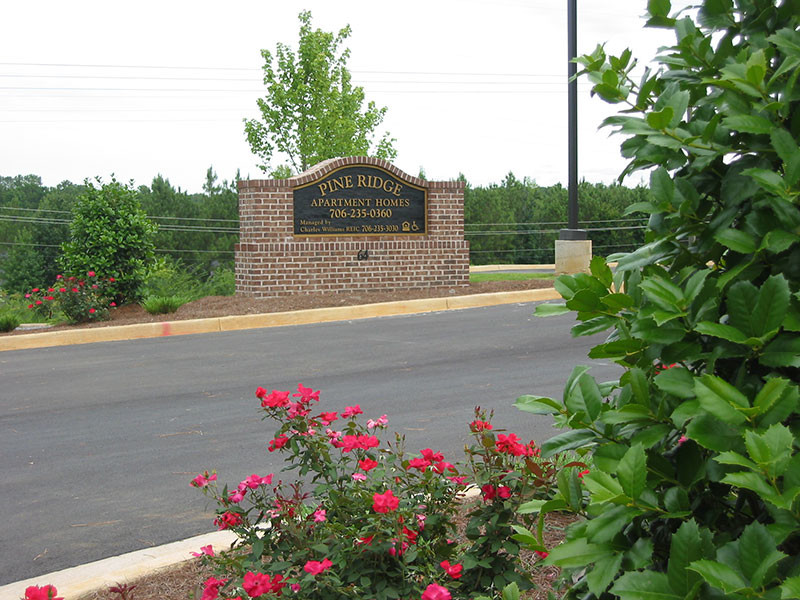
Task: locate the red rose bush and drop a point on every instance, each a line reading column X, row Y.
column 366, row 519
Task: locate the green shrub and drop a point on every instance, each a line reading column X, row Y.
column 221, row 283
column 9, row 321
column 111, row 234
column 695, row 486
column 173, row 278
column 159, row 305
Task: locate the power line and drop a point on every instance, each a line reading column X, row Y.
column 258, row 69
column 68, row 212
column 156, row 249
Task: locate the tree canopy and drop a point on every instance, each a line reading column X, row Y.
column 312, row 111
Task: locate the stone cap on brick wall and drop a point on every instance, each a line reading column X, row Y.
column 326, row 166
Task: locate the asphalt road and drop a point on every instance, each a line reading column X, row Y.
column 98, row 442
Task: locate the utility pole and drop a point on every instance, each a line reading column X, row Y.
column 572, row 246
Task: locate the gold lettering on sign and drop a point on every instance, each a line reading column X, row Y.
column 336, row 183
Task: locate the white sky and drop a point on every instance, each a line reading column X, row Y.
column 472, row 86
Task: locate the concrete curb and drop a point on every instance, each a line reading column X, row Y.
column 281, row 319
column 76, row 581
column 126, row 568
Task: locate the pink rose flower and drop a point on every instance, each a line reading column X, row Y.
column 204, row 551
column 278, row 442
column 314, row 567
column 453, row 570
column 352, row 411
column 436, row 592
column 256, row 584
column 203, row 479
column 384, row 503
column 368, row 464
column 47, row 592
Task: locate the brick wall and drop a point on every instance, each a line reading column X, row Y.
column 272, row 261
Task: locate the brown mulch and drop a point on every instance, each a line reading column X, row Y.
column 220, row 306
column 184, row 581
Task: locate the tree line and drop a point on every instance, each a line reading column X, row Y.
column 518, row 221
column 197, row 231
column 515, row 221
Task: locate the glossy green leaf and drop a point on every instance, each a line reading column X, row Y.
column 737, row 240
column 713, row 434
column 734, row 458
column 783, row 351
column 603, row 487
column 664, row 293
column 609, row 523
column 742, row 298
column 567, row 286
column 645, row 255
column 572, row 380
column 538, row 405
column 640, row 387
column 510, row 592
column 600, row 577
column 644, row 585
column 718, row 330
column 632, row 472
column 578, row 553
column 658, row 8
column 771, row 307
column 778, row 240
column 784, row 144
column 720, row 399
column 569, row 486
column 650, row 331
column 593, row 326
column 677, row 381
column 688, row 544
column 585, row 396
column 618, row 349
column 771, row 393
column 601, row 270
column 748, row 124
column 768, row 180
column 790, row 588
column 750, row 481
column 550, row 310
column 771, row 450
column 758, row 555
column 660, row 119
column 719, row 575
column 569, row 440
column 617, row 302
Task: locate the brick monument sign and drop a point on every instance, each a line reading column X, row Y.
column 350, row 224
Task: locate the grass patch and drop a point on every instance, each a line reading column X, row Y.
column 159, row 305
column 478, row 277
column 9, row 322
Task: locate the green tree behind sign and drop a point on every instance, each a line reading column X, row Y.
column 312, row 111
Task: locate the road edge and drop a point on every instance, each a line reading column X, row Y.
column 116, row 333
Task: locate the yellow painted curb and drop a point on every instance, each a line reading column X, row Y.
column 491, row 268
column 298, row 317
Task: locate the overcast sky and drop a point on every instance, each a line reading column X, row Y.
column 90, row 88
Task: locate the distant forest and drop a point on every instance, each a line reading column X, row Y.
column 515, row 221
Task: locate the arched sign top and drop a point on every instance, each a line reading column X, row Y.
column 326, row 166
column 358, row 198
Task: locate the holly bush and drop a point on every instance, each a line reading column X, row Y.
column 694, row 490
column 111, row 234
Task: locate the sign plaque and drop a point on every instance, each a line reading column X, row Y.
column 360, row 200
